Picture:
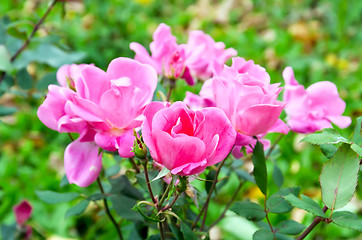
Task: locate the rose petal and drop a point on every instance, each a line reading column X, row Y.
column 82, row 163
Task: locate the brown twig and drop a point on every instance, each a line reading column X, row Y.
column 108, row 212
column 27, row 41
column 315, row 222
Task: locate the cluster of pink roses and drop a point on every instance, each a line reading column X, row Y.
column 194, row 60
column 237, row 104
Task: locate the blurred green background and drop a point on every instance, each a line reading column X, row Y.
column 321, row 40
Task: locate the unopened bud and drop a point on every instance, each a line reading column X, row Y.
column 139, row 147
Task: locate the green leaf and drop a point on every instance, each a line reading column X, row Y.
column 6, row 83
column 47, row 54
column 7, row 110
column 278, row 176
column 306, row 203
column 8, row 231
column 328, row 150
column 244, row 175
column 46, row 80
column 97, row 196
column 15, row 32
column 339, row 177
column 112, row 170
column 176, row 231
column 64, row 181
column 263, row 235
column 23, row 79
column 277, row 204
column 77, row 209
column 249, row 210
column 55, row 197
column 260, row 172
column 122, row 185
column 5, row 64
column 357, row 134
column 347, row 220
column 290, row 227
column 327, row 136
column 357, row 149
column 187, row 232
column 162, row 173
column 123, row 206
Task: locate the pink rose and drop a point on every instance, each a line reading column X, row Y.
column 196, row 59
column 314, row 108
column 245, row 94
column 22, row 212
column 186, row 141
column 203, row 54
column 103, row 107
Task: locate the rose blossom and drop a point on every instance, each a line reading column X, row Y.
column 103, row 107
column 245, row 94
column 188, row 61
column 186, row 141
column 314, row 108
column 22, row 212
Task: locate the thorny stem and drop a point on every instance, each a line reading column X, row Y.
column 315, row 222
column 148, row 182
column 27, row 41
column 228, row 204
column 108, row 212
column 209, row 195
column 274, row 145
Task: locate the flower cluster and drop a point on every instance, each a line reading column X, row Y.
column 236, row 106
column 195, row 59
column 245, row 94
column 103, row 107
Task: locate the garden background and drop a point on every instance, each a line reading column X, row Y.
column 321, row 40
